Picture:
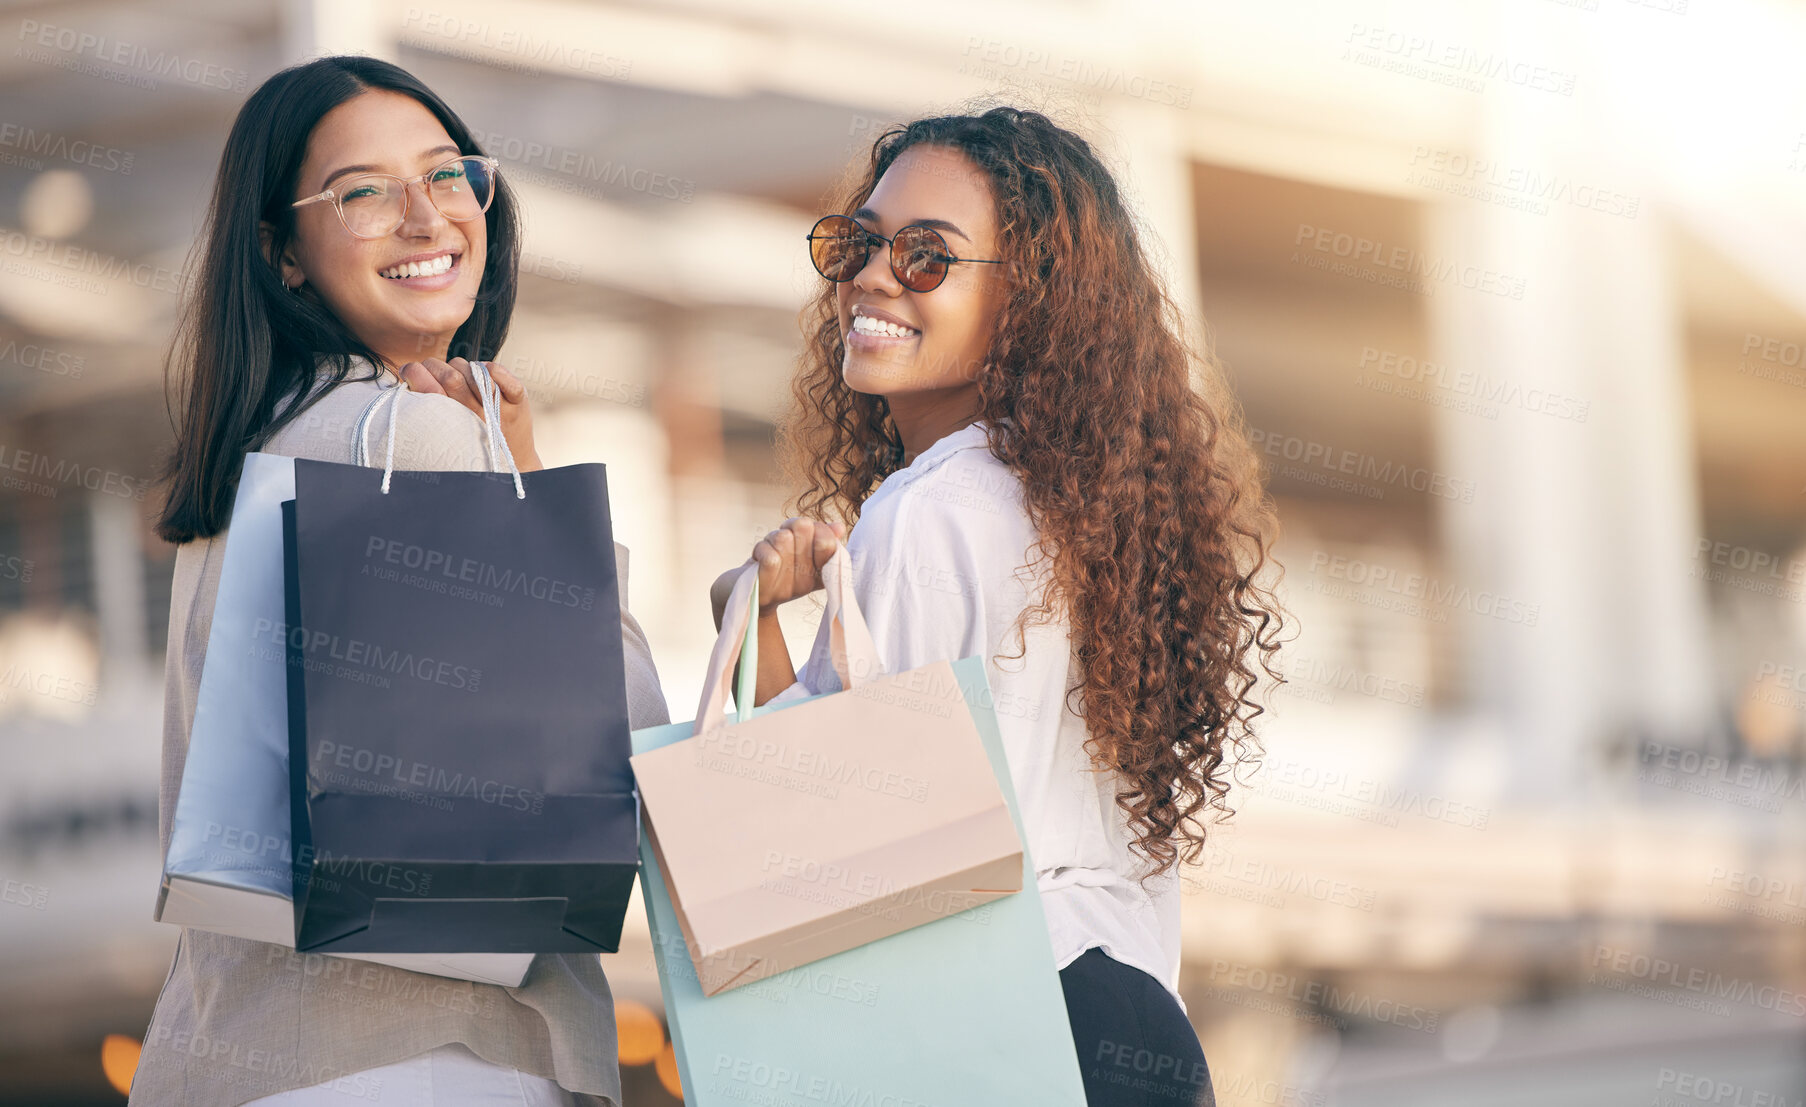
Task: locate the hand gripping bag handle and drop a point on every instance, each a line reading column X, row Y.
column 854, row 654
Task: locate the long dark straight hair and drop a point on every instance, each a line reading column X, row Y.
column 247, row 350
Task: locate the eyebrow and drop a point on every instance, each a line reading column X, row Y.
column 871, row 216
column 337, row 173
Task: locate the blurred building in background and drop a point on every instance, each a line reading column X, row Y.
column 1513, row 298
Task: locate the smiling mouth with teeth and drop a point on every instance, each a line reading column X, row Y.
column 865, row 324
column 432, row 267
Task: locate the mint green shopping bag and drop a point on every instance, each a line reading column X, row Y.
column 964, row 1010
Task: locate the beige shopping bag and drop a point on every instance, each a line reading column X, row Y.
column 794, row 834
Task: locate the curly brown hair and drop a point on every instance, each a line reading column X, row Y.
column 1143, row 490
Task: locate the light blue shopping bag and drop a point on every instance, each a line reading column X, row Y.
column 229, row 863
column 961, row 1011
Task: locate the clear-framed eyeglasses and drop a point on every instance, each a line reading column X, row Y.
column 373, row 205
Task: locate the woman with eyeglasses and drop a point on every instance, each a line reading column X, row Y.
column 995, row 390
column 358, row 241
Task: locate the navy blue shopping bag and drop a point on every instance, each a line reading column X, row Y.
column 458, row 713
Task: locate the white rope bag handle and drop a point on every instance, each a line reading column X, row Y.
column 491, row 395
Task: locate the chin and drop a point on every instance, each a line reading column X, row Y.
column 875, row 377
column 872, row 383
column 417, row 318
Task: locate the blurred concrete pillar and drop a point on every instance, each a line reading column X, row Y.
column 1586, row 514
column 685, row 396
column 119, row 603
column 1145, row 146
column 313, row 28
column 1662, row 671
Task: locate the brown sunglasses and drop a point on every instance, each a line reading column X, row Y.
column 919, row 256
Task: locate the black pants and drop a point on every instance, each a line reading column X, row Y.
column 1136, row 1047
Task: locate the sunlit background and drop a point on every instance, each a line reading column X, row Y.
column 1513, row 295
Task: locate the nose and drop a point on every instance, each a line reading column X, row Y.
column 423, row 217
column 876, row 276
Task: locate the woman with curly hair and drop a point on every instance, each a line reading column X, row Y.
column 995, row 390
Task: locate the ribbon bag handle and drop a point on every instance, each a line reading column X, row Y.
column 850, row 645
column 854, row 654
column 491, row 395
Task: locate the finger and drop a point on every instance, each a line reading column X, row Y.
column 457, row 377
column 461, row 366
column 454, row 381
column 790, row 546
column 420, row 379
column 826, row 542
column 770, row 565
column 770, row 557
column 513, row 391
column 815, row 536
column 802, row 566
column 784, row 542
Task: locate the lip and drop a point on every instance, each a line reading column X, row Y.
column 872, row 342
column 879, row 313
column 426, row 284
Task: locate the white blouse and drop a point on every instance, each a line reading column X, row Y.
column 941, row 570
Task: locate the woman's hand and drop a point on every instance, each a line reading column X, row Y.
column 791, row 559
column 455, row 378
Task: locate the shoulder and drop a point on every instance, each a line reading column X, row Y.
column 432, row 432
column 957, row 495
column 943, row 554
column 969, row 485
column 325, row 429
column 958, row 524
